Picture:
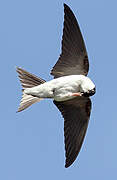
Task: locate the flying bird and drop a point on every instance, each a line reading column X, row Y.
column 70, row 89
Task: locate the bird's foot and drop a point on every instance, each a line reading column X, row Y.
column 76, row 94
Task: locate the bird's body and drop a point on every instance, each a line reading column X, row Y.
column 61, row 89
column 70, row 89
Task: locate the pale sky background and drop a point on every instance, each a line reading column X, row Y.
column 32, row 142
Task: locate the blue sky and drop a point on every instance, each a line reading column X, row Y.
column 32, row 142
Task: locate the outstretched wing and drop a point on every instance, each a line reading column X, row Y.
column 73, row 59
column 76, row 113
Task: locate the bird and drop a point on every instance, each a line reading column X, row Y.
column 70, row 89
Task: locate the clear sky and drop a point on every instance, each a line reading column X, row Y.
column 32, row 142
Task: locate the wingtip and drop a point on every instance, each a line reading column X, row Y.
column 66, row 6
column 67, row 165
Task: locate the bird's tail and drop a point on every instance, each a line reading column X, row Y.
column 28, row 80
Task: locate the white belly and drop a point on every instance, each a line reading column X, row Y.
column 64, row 92
column 59, row 89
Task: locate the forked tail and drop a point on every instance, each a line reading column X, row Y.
column 28, row 80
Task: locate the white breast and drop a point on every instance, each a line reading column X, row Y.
column 66, row 86
column 59, row 89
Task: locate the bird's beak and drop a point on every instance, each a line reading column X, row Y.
column 89, row 93
column 92, row 92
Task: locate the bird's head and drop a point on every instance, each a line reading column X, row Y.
column 87, row 87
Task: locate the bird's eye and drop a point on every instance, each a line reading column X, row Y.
column 94, row 90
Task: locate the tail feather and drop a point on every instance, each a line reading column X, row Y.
column 28, row 80
column 26, row 101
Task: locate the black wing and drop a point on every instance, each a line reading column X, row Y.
column 73, row 59
column 76, row 113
